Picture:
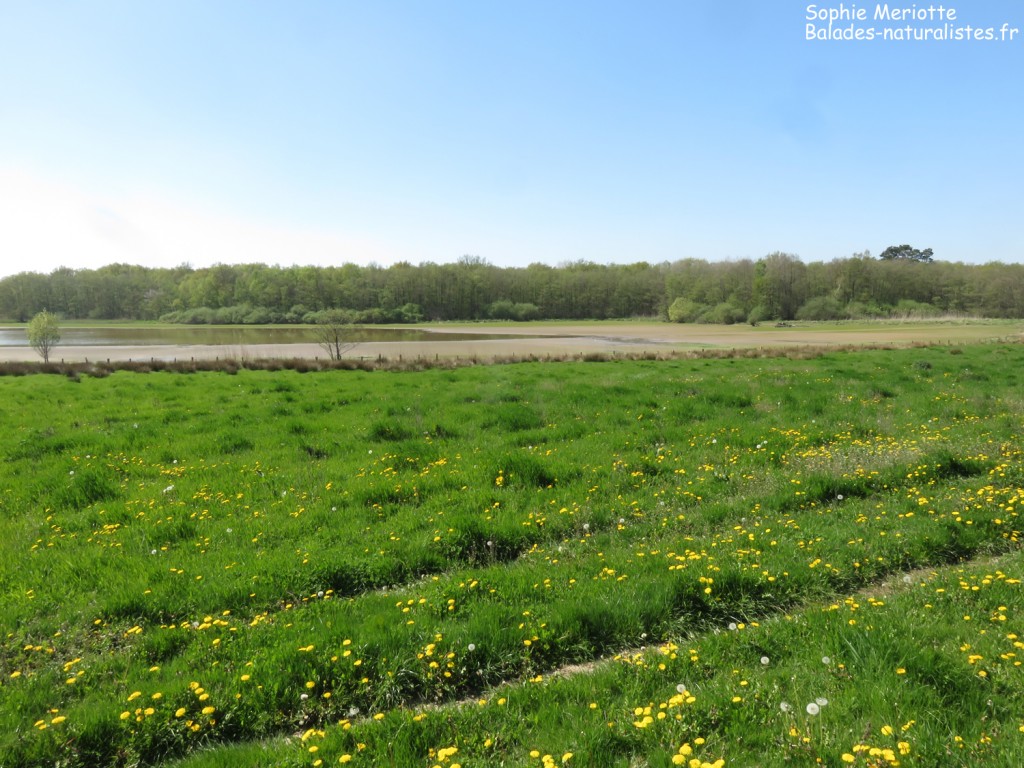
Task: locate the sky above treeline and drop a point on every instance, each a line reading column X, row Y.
column 327, row 131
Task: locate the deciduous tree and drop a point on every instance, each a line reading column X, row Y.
column 44, row 334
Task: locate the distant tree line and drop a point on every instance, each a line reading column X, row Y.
column 779, row 286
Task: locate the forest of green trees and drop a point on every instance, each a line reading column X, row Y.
column 776, row 287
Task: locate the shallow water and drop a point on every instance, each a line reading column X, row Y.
column 233, row 335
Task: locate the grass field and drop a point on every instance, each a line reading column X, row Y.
column 745, row 562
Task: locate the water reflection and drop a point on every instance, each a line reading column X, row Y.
column 234, row 335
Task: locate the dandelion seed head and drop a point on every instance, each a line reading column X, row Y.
column 826, row 660
column 813, row 708
column 764, row 660
column 785, row 706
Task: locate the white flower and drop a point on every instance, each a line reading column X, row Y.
column 813, row 709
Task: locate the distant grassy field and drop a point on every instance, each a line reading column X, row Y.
column 740, row 562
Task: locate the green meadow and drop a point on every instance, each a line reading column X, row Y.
column 728, row 562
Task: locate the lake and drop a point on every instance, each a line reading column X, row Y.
column 107, row 336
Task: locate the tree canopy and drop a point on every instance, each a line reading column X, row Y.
column 777, row 286
column 44, row 334
column 906, row 252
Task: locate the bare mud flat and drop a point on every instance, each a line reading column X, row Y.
column 558, row 339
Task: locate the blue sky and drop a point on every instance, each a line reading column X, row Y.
column 328, row 131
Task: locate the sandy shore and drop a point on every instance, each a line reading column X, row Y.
column 552, row 339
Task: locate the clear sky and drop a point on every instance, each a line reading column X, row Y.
column 329, row 131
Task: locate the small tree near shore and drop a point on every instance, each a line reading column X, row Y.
column 43, row 334
column 331, row 331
